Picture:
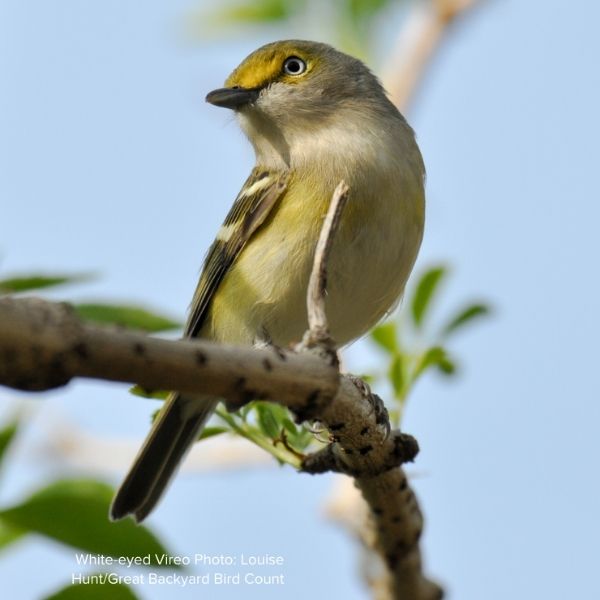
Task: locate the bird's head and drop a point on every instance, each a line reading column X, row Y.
column 296, row 83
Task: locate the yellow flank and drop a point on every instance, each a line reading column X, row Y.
column 265, row 65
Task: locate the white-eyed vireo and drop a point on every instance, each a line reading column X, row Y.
column 315, row 116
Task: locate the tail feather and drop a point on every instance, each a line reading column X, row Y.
column 172, row 435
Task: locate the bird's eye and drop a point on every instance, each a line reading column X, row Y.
column 294, row 66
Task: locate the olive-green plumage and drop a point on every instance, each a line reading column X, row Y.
column 314, row 116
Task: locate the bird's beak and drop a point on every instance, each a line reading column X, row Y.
column 233, row 97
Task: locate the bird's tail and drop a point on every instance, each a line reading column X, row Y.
column 171, row 436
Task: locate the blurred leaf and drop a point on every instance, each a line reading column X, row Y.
column 246, row 410
column 94, row 591
column 385, row 336
column 446, row 366
column 222, row 413
column 136, row 390
column 254, row 11
column 7, row 436
column 267, row 420
column 396, row 375
column 209, row 432
column 299, row 437
column 368, row 378
column 290, row 427
column 435, row 357
column 304, row 439
column 425, row 293
column 279, row 412
column 9, row 534
column 466, row 316
column 75, row 512
column 126, row 316
column 27, row 283
column 364, row 9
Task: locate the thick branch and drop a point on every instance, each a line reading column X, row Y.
column 363, row 449
column 44, row 345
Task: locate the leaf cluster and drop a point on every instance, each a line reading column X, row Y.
column 414, row 345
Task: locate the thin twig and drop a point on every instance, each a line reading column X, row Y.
column 317, row 285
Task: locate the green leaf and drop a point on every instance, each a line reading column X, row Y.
column 267, row 420
column 27, row 283
column 95, row 591
column 9, row 534
column 304, row 438
column 368, row 378
column 125, row 316
column 289, row 426
column 385, row 336
column 7, row 436
column 299, row 439
column 435, row 356
column 397, row 376
column 279, row 412
column 256, row 11
column 465, row 316
column 75, row 512
column 209, row 432
column 425, row 293
column 446, row 366
column 364, row 9
column 136, row 390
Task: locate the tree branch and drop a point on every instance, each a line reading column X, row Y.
column 419, row 40
column 44, row 345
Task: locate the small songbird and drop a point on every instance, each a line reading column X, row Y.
column 315, row 116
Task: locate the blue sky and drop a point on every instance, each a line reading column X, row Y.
column 111, row 161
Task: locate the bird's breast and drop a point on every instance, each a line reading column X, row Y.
column 264, row 294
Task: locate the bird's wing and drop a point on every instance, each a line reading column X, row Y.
column 258, row 196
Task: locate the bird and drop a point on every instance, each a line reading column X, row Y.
column 315, row 116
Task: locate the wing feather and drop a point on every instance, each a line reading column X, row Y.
column 254, row 203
